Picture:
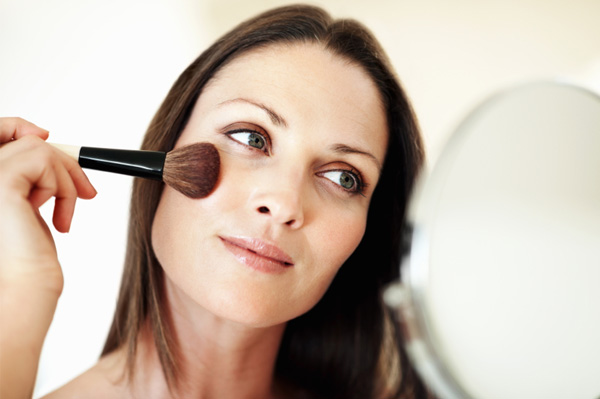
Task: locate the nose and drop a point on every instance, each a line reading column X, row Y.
column 281, row 203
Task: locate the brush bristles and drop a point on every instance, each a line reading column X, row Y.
column 192, row 170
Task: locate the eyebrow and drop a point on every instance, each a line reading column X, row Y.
column 274, row 116
column 280, row 121
column 345, row 149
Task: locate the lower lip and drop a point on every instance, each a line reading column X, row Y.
column 255, row 261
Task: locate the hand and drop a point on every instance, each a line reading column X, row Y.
column 31, row 172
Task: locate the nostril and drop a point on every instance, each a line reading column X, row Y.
column 263, row 209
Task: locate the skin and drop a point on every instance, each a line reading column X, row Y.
column 30, row 276
column 311, row 218
column 307, row 104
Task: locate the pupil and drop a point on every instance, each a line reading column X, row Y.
column 346, row 180
column 256, row 141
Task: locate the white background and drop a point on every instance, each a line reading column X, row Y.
column 94, row 72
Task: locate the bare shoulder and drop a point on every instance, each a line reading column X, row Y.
column 104, row 380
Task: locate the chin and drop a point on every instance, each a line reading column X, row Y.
column 253, row 309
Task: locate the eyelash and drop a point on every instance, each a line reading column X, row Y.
column 359, row 182
column 266, row 138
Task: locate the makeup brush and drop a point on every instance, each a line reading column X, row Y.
column 192, row 170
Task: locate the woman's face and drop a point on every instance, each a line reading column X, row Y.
column 302, row 135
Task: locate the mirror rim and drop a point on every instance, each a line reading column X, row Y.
column 408, row 297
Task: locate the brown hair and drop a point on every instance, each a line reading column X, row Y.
column 341, row 347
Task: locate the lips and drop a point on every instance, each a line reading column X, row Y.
column 258, row 254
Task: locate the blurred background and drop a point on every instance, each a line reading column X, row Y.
column 94, row 72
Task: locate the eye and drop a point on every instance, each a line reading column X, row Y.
column 252, row 139
column 347, row 180
column 249, row 135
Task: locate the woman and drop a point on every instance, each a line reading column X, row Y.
column 271, row 286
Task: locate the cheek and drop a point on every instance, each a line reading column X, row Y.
column 180, row 230
column 345, row 243
column 333, row 243
column 160, row 228
column 167, row 227
column 341, row 234
column 177, row 234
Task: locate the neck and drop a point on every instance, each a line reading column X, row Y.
column 216, row 358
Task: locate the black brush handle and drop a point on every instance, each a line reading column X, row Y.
column 146, row 164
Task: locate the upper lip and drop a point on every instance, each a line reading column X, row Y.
column 261, row 248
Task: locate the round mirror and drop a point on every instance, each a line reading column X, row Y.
column 501, row 285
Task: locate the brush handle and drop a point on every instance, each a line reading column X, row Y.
column 146, row 164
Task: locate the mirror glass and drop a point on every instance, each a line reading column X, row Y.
column 501, row 287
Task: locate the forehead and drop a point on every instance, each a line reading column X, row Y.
column 312, row 87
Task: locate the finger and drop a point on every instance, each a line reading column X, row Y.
column 33, row 176
column 39, row 195
column 18, row 148
column 66, row 196
column 84, row 187
column 15, row 128
column 55, row 181
column 15, row 147
column 64, row 209
column 42, row 172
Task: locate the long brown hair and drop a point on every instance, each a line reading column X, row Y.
column 341, row 347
